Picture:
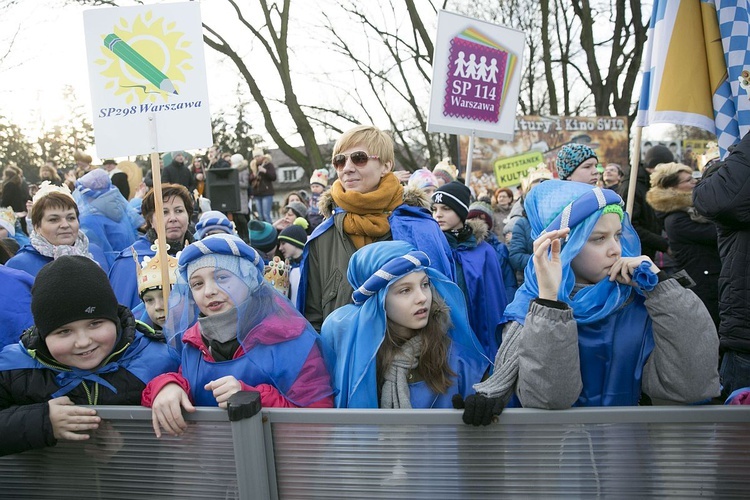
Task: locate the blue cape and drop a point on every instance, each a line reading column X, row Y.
column 144, row 358
column 29, row 260
column 353, row 334
column 15, row 295
column 484, row 290
column 413, row 225
column 124, row 274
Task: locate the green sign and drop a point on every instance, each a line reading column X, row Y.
column 509, row 171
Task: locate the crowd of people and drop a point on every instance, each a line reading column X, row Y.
column 375, row 289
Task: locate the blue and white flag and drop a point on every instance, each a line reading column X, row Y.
column 695, row 54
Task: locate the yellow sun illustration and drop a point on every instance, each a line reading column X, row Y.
column 159, row 45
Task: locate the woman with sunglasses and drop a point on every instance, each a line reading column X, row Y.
column 367, row 203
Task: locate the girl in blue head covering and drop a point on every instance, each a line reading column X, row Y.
column 406, row 341
column 596, row 323
column 234, row 333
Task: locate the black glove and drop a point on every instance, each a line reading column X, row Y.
column 478, row 409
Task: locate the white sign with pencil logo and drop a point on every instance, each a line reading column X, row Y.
column 148, row 78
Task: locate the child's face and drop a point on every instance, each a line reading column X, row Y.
column 83, row 344
column 154, row 302
column 289, row 251
column 290, row 216
column 293, row 198
column 408, row 301
column 216, row 290
column 446, row 218
column 316, row 188
column 601, row 251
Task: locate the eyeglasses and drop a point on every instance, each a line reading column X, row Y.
column 358, row 158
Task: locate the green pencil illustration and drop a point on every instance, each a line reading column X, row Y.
column 138, row 63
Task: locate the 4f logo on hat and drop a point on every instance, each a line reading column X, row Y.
column 439, row 198
column 89, row 309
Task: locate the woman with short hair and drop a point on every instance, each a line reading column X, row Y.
column 178, row 207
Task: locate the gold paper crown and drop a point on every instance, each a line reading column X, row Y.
column 447, row 166
column 8, row 215
column 277, row 273
column 539, row 172
column 149, row 272
column 47, row 187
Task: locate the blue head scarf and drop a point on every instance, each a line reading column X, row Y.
column 353, row 333
column 559, row 204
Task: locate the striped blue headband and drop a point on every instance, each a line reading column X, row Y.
column 391, row 270
column 588, row 203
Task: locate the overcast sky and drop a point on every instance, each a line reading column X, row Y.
column 49, row 53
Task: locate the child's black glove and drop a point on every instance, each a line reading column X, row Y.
column 478, row 409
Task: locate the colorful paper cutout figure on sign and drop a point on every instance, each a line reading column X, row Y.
column 479, row 71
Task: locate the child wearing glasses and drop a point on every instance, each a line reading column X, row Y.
column 246, row 336
column 478, row 271
column 406, row 341
column 365, row 204
column 596, row 323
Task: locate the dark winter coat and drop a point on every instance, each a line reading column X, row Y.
column 178, row 173
column 644, row 219
column 25, row 392
column 262, row 182
column 693, row 241
column 724, row 197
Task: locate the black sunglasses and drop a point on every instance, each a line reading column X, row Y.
column 359, row 159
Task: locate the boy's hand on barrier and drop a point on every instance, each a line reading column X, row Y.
column 70, row 421
column 478, row 409
column 223, row 388
column 166, row 410
column 547, row 263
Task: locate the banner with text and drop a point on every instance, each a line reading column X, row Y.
column 537, row 140
column 476, row 78
column 148, row 78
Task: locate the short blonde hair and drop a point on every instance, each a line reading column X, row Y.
column 372, row 138
column 666, row 175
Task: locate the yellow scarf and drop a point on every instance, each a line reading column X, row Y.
column 367, row 214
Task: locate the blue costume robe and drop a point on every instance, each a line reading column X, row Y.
column 411, row 224
column 481, row 280
column 30, row 260
column 15, row 295
column 144, row 358
column 124, row 274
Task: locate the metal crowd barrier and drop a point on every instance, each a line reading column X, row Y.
column 291, row 453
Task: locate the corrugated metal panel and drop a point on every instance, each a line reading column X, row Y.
column 511, row 460
column 124, row 460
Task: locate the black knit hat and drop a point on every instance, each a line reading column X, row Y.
column 455, row 195
column 656, row 155
column 69, row 289
column 294, row 235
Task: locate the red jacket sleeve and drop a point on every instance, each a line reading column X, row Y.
column 158, row 383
